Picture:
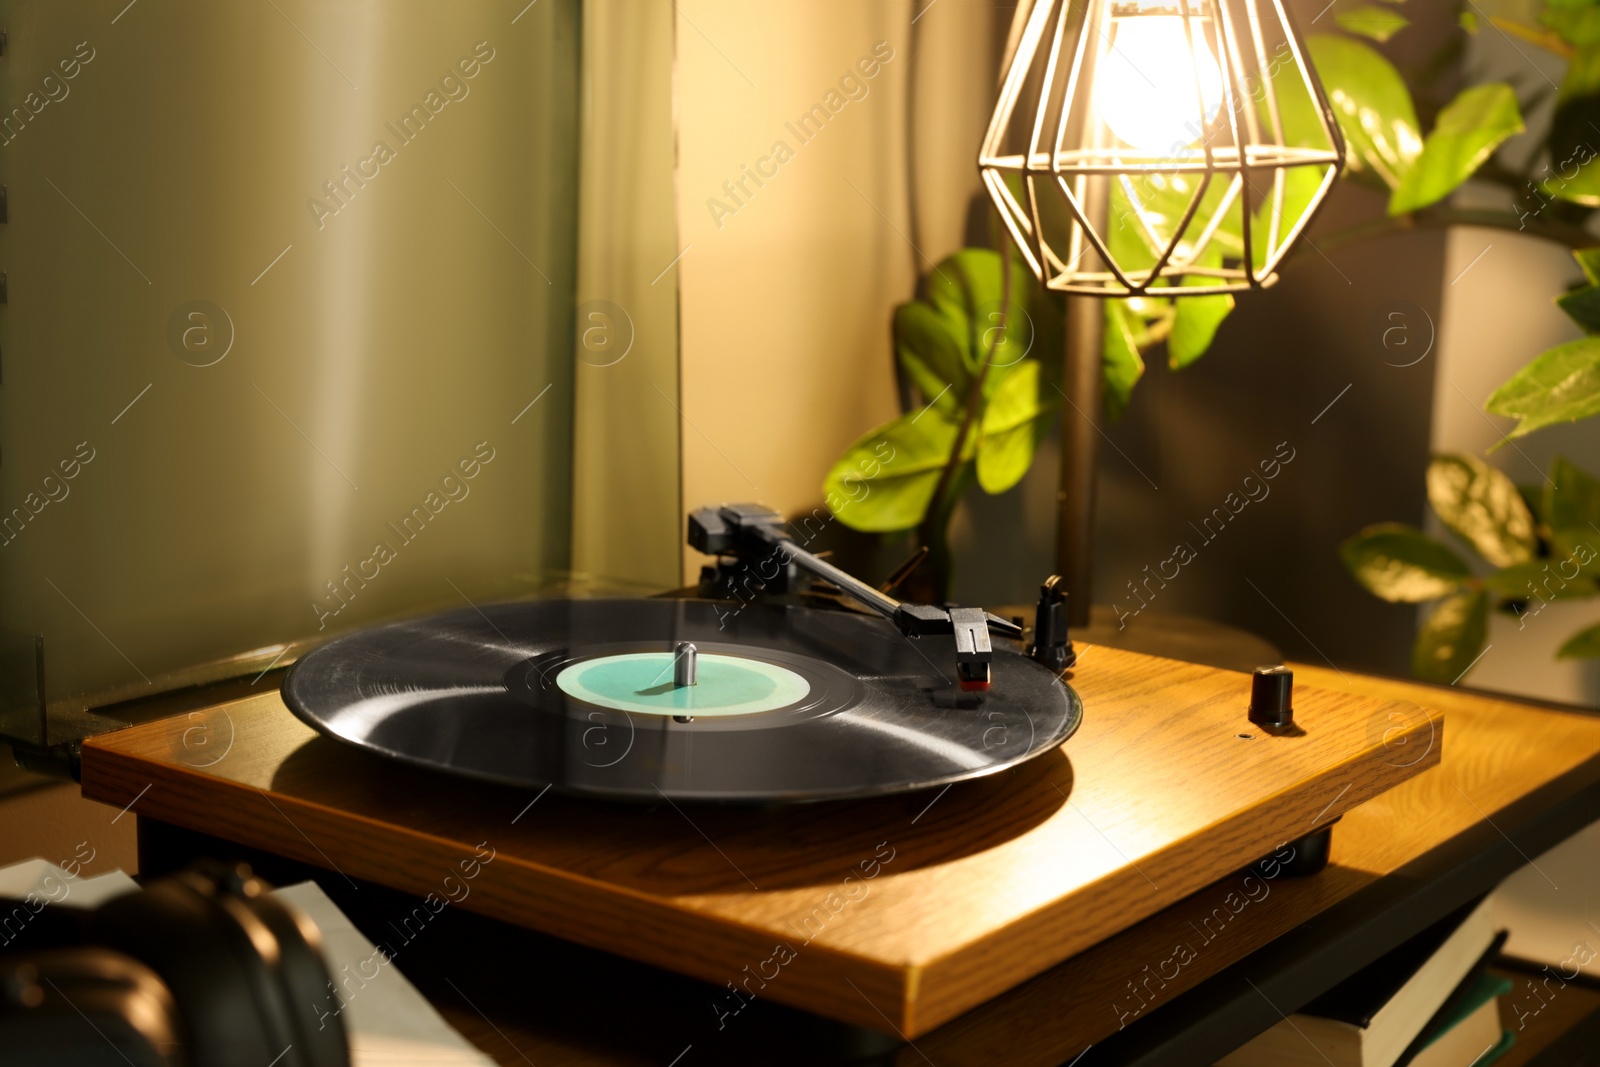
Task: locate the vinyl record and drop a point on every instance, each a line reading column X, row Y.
column 791, row 703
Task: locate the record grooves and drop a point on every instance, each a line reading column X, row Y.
column 792, row 703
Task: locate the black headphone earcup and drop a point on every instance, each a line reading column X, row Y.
column 303, row 980
column 213, row 964
column 245, row 971
column 87, row 1006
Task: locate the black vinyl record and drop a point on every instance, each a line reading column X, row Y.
column 792, row 703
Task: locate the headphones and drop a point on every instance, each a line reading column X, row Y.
column 200, row 969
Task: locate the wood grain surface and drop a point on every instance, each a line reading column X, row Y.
column 897, row 914
column 1499, row 752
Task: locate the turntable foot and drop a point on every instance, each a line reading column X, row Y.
column 1307, row 855
column 973, row 677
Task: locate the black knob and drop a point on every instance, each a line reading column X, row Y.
column 1272, row 696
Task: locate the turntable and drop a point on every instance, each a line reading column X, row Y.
column 891, row 811
column 700, row 700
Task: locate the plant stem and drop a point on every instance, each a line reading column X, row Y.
column 1549, row 40
column 934, row 531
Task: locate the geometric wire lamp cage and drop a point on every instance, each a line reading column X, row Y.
column 1140, row 145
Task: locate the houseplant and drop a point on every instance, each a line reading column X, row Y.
column 1540, row 543
column 966, row 426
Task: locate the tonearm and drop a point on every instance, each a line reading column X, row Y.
column 755, row 536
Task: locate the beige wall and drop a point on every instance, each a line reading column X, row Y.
column 786, row 298
column 210, row 516
column 626, row 509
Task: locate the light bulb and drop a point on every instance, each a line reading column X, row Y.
column 1149, row 94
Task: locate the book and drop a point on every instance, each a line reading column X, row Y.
column 1373, row 1017
column 1550, row 926
column 1467, row 1029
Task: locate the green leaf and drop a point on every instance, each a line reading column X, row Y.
column 1145, row 211
column 1582, row 186
column 1378, row 23
column 1576, row 24
column 1452, row 638
column 1300, row 185
column 1372, row 104
column 1195, row 325
column 1402, row 564
column 966, row 288
column 1121, row 362
column 1538, row 579
column 1571, row 497
column 885, row 481
column 1585, row 644
column 1533, row 496
column 1572, row 511
column 1469, row 129
column 931, row 351
column 1582, row 307
column 1197, row 317
column 1589, row 260
column 1561, row 385
column 1483, row 507
column 1302, row 121
column 942, row 342
column 1015, row 420
column 1582, row 78
column 1298, row 110
column 1125, row 236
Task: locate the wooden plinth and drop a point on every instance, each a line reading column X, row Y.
column 896, row 914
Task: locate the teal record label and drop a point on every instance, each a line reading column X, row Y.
column 642, row 682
